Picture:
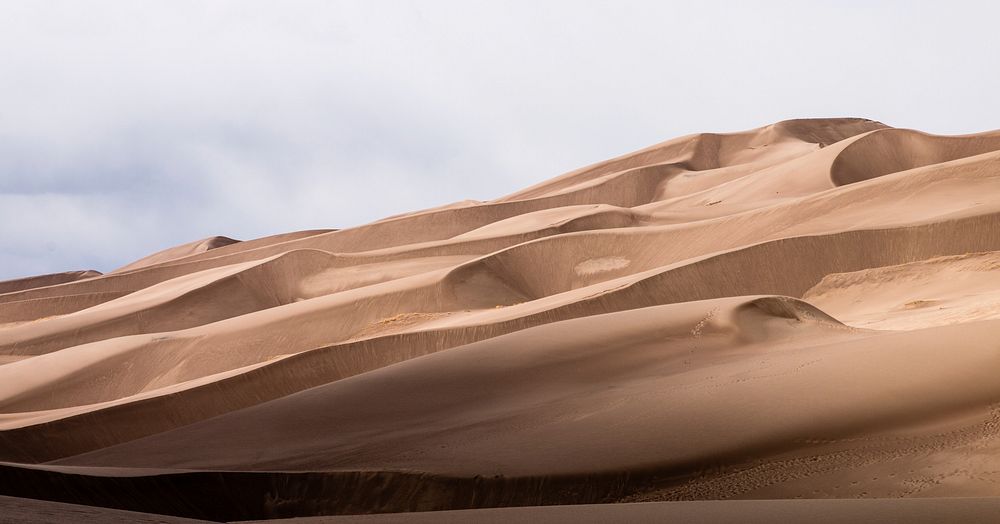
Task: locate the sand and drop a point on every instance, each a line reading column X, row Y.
column 809, row 310
column 829, row 511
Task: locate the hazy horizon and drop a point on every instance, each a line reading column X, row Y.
column 129, row 127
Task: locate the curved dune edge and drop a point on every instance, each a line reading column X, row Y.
column 191, row 300
column 183, row 250
column 696, row 280
column 132, row 282
column 807, row 309
column 23, row 284
column 936, row 291
column 892, row 150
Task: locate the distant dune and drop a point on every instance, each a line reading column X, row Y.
column 808, row 310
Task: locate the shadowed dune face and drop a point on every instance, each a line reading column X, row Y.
column 808, row 309
column 892, row 150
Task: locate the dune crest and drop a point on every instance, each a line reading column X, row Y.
column 809, row 309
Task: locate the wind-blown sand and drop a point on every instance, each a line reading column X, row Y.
column 808, row 310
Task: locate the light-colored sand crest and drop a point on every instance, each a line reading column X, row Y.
column 183, row 250
column 567, row 219
column 858, row 206
column 22, row 284
column 187, row 301
column 856, row 159
column 349, row 239
column 213, row 247
column 935, row 291
column 765, row 267
column 706, row 151
column 712, row 169
column 624, row 191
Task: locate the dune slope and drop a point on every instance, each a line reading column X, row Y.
column 809, row 309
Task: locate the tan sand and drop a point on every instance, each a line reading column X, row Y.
column 857, row 511
column 807, row 310
column 21, row 284
column 935, row 291
column 27, row 511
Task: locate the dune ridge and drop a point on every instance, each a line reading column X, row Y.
column 809, row 309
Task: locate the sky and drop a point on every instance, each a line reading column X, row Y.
column 130, row 126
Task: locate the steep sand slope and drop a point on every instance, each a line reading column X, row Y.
column 808, row 309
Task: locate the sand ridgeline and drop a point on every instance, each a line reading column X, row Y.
column 808, row 310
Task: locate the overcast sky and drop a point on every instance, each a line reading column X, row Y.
column 127, row 127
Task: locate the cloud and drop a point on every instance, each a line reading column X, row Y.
column 127, row 127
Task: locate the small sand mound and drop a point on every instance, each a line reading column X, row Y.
column 792, row 308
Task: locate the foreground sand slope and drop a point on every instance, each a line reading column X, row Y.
column 857, row 511
column 24, row 511
column 808, row 309
column 670, row 389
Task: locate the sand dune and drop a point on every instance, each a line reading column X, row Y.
column 173, row 253
column 190, row 300
column 21, row 284
column 914, row 511
column 18, row 510
column 805, row 310
column 935, row 291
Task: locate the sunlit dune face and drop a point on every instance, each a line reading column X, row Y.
column 808, row 310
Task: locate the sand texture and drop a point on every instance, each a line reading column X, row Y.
column 700, row 331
